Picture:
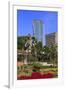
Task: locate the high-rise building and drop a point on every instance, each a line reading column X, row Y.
column 38, row 30
column 52, row 38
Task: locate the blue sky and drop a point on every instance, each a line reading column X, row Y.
column 25, row 18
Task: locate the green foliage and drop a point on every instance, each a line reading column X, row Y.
column 37, row 65
column 32, row 58
column 20, row 57
column 39, row 46
column 26, row 66
column 34, row 39
column 21, row 42
column 46, row 56
column 50, row 53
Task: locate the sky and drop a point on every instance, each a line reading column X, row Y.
column 26, row 17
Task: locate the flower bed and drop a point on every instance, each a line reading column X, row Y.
column 36, row 75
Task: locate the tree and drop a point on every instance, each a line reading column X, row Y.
column 54, row 54
column 21, row 42
column 38, row 50
column 46, row 55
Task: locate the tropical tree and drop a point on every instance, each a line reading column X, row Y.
column 38, row 50
column 54, row 54
column 46, row 54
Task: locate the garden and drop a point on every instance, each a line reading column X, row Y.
column 36, row 71
column 34, row 54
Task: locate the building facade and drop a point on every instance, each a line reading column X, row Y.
column 38, row 30
column 52, row 38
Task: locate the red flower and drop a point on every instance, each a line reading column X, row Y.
column 36, row 75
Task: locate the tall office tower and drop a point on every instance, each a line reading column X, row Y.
column 38, row 30
column 52, row 38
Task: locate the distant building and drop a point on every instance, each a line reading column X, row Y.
column 38, row 30
column 52, row 38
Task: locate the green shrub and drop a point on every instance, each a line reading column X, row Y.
column 36, row 67
column 26, row 66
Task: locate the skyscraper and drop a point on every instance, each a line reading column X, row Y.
column 38, row 30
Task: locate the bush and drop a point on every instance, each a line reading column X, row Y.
column 36, row 67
